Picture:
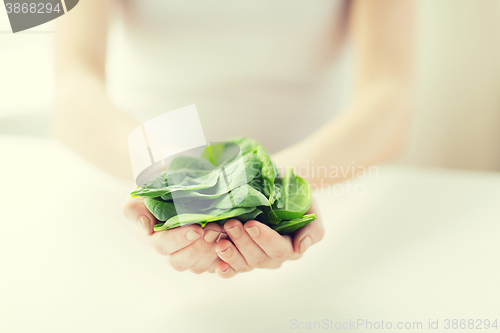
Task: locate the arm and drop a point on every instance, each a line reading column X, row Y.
column 87, row 122
column 372, row 130
column 84, row 118
column 374, row 127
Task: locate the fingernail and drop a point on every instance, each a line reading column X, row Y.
column 305, row 243
column 227, row 252
column 145, row 223
column 225, row 271
column 253, row 231
column 192, row 235
column 211, row 235
column 234, row 232
column 222, row 235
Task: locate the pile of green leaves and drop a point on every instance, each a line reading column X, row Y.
column 236, row 179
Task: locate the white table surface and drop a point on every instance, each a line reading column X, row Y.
column 418, row 245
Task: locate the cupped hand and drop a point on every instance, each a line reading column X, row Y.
column 191, row 247
column 255, row 245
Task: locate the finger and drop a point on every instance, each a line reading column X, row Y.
column 224, row 270
column 185, row 258
column 206, row 262
column 230, row 254
column 136, row 211
column 212, row 268
column 308, row 235
column 276, row 246
column 253, row 254
column 170, row 241
column 203, row 263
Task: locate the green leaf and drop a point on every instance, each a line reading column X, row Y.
column 268, row 173
column 232, row 176
column 212, row 153
column 160, row 209
column 295, row 197
column 244, row 185
column 286, row 227
column 202, row 219
column 238, row 172
column 242, row 196
column 152, row 189
column 249, row 216
column 246, row 145
column 269, row 216
column 190, row 162
column 178, row 180
column 222, row 153
column 230, row 152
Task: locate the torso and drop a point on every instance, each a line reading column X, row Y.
column 255, row 68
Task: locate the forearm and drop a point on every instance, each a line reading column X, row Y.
column 86, row 121
column 372, row 130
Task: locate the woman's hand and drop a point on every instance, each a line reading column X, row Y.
column 190, row 247
column 258, row 246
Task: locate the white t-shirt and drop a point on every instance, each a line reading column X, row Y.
column 261, row 68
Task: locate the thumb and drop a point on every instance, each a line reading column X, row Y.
column 136, row 211
column 310, row 234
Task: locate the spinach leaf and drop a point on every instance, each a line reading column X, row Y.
column 195, row 195
column 164, row 210
column 269, row 216
column 286, row 227
column 242, row 196
column 190, row 162
column 238, row 172
column 246, row 145
column 151, row 189
column 249, row 216
column 295, row 197
column 221, row 153
column 201, row 219
column 230, row 152
column 212, row 153
column 160, row 209
column 279, row 187
column 236, row 179
column 277, row 191
column 179, row 180
column 269, row 173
